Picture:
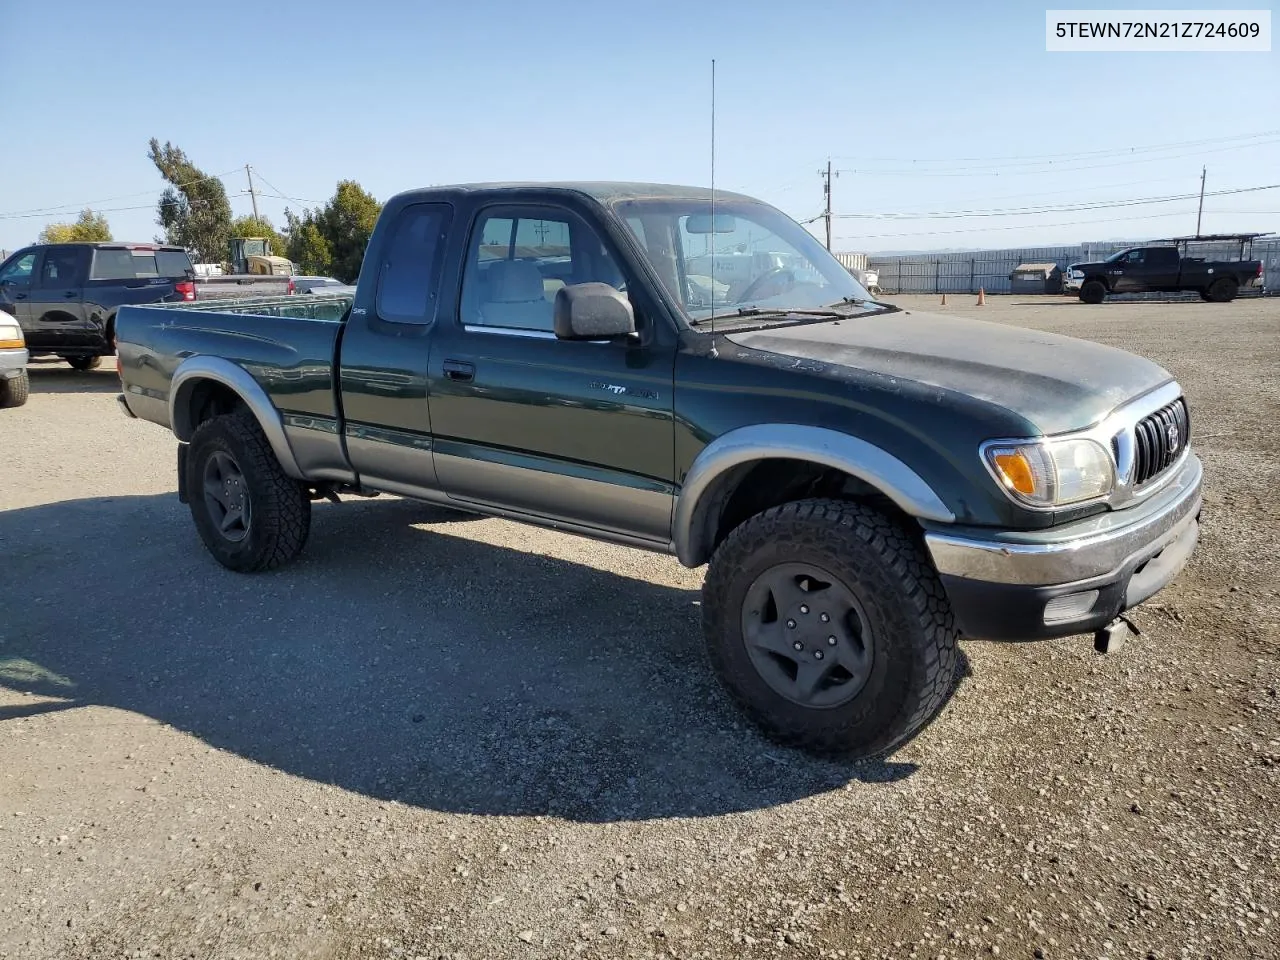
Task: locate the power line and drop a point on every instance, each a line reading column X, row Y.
column 277, row 192
column 1079, row 155
column 1147, row 181
column 76, row 207
column 1025, row 226
column 1058, row 208
column 996, row 171
column 144, row 206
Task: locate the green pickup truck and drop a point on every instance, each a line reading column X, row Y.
column 692, row 373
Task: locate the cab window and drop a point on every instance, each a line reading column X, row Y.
column 19, row 270
column 520, row 257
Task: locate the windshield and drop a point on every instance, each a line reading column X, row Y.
column 756, row 259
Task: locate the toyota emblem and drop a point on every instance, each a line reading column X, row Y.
column 1171, row 431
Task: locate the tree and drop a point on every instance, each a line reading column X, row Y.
column 308, row 249
column 347, row 223
column 193, row 210
column 331, row 239
column 89, row 227
column 249, row 226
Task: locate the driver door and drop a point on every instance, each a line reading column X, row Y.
column 575, row 431
column 1133, row 273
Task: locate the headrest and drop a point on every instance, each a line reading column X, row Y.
column 513, row 281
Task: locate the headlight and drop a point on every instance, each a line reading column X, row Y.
column 10, row 336
column 1052, row 473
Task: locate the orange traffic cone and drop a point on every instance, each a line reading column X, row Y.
column 944, row 299
column 982, row 296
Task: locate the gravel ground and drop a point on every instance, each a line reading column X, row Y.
column 439, row 736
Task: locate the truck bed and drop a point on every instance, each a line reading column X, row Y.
column 286, row 344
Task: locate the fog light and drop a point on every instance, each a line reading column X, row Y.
column 1072, row 606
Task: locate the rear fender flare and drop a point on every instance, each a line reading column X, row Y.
column 691, row 533
column 195, row 370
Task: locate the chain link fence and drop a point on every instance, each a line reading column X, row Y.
column 989, row 270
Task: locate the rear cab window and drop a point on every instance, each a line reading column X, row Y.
column 140, row 263
column 409, row 275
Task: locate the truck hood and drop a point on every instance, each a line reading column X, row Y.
column 1057, row 383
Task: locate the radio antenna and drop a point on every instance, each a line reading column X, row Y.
column 712, row 234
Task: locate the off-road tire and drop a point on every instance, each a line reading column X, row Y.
column 84, row 363
column 915, row 636
column 280, row 506
column 1223, row 290
column 1092, row 291
column 13, row 393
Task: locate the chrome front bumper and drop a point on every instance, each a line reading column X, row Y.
column 1076, row 551
column 1019, row 584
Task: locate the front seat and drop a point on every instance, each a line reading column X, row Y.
column 513, row 297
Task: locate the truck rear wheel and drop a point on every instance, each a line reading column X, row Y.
column 1092, row 291
column 13, row 393
column 251, row 515
column 1223, row 290
column 827, row 624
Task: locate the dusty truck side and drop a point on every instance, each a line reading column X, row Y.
column 695, row 375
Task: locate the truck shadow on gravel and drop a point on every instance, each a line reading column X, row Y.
column 54, row 376
column 397, row 659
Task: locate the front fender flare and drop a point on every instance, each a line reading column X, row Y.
column 828, row 448
column 194, row 370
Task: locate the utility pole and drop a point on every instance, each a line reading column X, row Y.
column 826, row 190
column 248, row 172
column 1203, row 172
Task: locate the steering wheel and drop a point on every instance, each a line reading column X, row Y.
column 749, row 293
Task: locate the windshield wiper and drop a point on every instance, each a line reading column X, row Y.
column 782, row 312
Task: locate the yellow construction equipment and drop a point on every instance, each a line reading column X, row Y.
column 252, row 256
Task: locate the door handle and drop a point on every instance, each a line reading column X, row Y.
column 71, row 294
column 19, row 296
column 459, row 370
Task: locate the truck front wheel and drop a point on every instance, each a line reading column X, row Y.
column 251, row 515
column 1092, row 291
column 827, row 624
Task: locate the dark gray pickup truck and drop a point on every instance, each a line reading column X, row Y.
column 1166, row 269
column 697, row 376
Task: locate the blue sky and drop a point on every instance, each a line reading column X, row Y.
column 398, row 95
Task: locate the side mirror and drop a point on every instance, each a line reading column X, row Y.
column 592, row 311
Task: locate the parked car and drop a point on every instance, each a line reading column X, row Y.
column 14, row 385
column 1163, row 269
column 866, row 484
column 66, row 295
column 324, row 285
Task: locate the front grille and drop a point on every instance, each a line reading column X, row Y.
column 1158, row 441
